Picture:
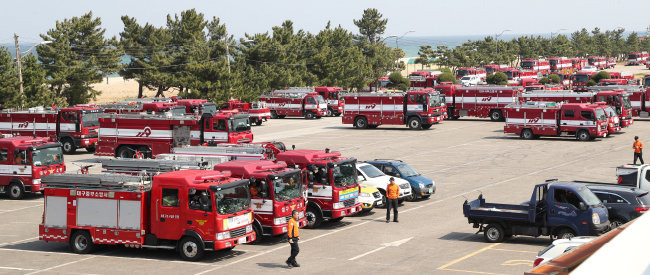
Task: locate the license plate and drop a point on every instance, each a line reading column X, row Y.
column 242, row 240
column 430, row 190
column 353, row 210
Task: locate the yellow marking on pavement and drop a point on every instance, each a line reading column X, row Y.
column 513, row 250
column 472, row 271
column 468, row 256
column 518, row 262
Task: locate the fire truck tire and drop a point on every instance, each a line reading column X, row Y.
column 583, row 135
column 415, row 123
column 81, row 242
column 125, row 152
column 426, row 126
column 68, row 146
column 258, row 122
column 314, row 217
column 16, row 191
column 310, row 115
column 330, row 112
column 274, row 114
column 493, row 233
column 496, row 115
column 360, row 122
column 527, row 134
column 259, row 235
column 190, row 248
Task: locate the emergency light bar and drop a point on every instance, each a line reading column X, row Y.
column 218, row 176
column 279, row 165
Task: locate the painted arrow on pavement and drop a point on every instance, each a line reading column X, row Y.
column 384, row 245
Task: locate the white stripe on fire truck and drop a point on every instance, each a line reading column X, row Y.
column 223, row 136
column 9, row 170
column 530, row 121
column 484, row 99
column 133, row 133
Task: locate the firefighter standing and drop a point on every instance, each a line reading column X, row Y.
column 638, row 149
column 293, row 232
column 392, row 193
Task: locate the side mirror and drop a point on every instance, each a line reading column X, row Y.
column 583, row 207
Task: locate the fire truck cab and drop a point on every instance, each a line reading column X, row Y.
column 580, row 79
column 257, row 111
column 332, row 96
column 637, row 58
column 276, row 191
column 24, row 160
column 536, row 65
column 191, row 211
column 296, row 101
column 197, row 106
column 332, row 191
column 460, row 72
column 559, row 63
column 423, row 78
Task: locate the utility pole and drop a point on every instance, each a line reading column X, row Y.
column 227, row 52
column 20, row 72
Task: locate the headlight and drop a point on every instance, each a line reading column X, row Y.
column 223, row 235
column 282, row 220
column 301, row 214
column 36, row 181
column 421, row 186
column 337, row 205
column 595, row 218
column 249, row 228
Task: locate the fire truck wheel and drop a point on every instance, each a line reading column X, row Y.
column 68, row 146
column 337, row 114
column 125, row 152
column 81, row 243
column 583, row 135
column 494, row 233
column 258, row 234
column 527, row 134
column 330, row 112
column 495, row 115
column 16, row 191
column 258, row 122
column 309, row 115
column 415, row 123
column 314, row 217
column 190, row 248
column 361, row 122
column 274, row 114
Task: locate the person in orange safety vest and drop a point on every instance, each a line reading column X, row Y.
column 392, row 193
column 293, row 232
column 638, row 149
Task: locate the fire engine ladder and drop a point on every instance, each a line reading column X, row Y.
column 205, row 160
column 148, row 166
column 99, row 182
column 232, row 152
column 292, row 92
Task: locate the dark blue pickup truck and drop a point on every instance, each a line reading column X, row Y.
column 556, row 209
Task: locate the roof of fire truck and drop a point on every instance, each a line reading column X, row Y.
column 189, row 119
column 557, row 93
column 24, row 141
column 248, row 167
column 195, row 178
column 304, row 157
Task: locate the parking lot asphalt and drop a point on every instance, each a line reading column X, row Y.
column 465, row 158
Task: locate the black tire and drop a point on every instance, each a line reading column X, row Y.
column 384, row 200
column 337, row 114
column 146, row 151
column 91, row 149
column 415, row 123
column 274, row 114
column 426, row 126
column 310, row 115
column 527, row 134
column 16, row 191
column 493, row 233
column 330, row 112
column 411, row 197
column 258, row 122
column 496, row 115
column 360, row 123
column 616, row 222
column 68, row 146
column 337, row 219
column 566, row 234
column 258, row 234
column 583, row 135
column 190, row 249
column 125, row 152
column 81, row 242
column 314, row 217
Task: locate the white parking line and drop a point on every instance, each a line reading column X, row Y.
column 18, row 209
column 16, row 268
column 61, row 265
column 20, row 241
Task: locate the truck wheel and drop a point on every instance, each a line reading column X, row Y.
column 309, row 115
column 566, row 234
column 16, row 191
column 330, row 112
column 258, row 234
column 527, row 134
column 583, row 135
column 68, row 146
column 274, row 114
column 495, row 115
column 314, row 217
column 494, row 233
column 190, row 249
column 90, row 149
column 125, row 152
column 81, row 243
column 258, row 122
column 415, row 123
column 361, row 122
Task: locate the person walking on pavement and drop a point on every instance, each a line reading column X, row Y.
column 638, row 149
column 293, row 232
column 392, row 193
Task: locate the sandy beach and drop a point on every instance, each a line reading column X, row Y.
column 118, row 89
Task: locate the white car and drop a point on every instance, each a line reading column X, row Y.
column 470, row 80
column 559, row 247
column 370, row 175
column 590, row 69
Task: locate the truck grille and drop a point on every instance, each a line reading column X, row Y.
column 377, row 195
column 348, row 203
column 404, row 186
column 238, row 232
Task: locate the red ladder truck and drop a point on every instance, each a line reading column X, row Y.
column 235, row 151
column 541, row 66
column 478, row 101
column 257, row 111
column 558, row 64
column 417, row 109
column 24, row 161
column 190, row 211
column 295, row 102
column 75, row 127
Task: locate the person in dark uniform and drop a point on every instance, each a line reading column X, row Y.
column 293, row 232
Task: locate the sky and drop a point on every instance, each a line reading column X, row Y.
column 29, row 18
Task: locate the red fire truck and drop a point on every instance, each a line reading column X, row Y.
column 460, row 72
column 144, row 105
column 276, row 191
column 516, row 77
column 493, row 68
column 580, row 79
column 579, row 63
column 24, row 160
column 560, row 63
column 332, row 96
column 333, row 191
column 614, row 125
column 637, row 58
column 533, row 119
column 418, row 109
column 191, row 211
column 597, row 61
column 126, row 136
column 75, row 127
column 536, row 65
column 196, row 106
column 236, row 151
column 423, row 78
column 295, row 102
column 257, row 111
column 610, row 62
column 478, row 101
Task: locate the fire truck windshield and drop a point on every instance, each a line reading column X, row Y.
column 553, row 62
column 319, row 99
column 407, row 171
column 288, row 186
column 232, row 200
column 527, row 64
column 591, row 60
column 177, row 110
column 462, row 72
column 436, row 100
column 626, row 102
column 509, row 74
column 90, row 119
column 47, row 156
column 238, row 125
column 489, row 70
column 633, row 56
column 209, row 108
column 580, row 78
column 344, row 174
column 600, row 115
column 610, row 111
